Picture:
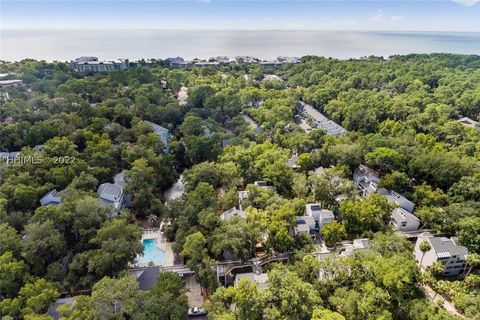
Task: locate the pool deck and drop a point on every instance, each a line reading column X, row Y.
column 161, row 244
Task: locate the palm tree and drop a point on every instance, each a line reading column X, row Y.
column 473, row 260
column 152, row 219
column 425, row 246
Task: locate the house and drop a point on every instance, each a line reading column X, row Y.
column 246, row 59
column 52, row 198
column 162, row 132
column 402, row 220
column 176, row 62
column 447, row 251
column 230, row 213
column 305, row 224
column 358, row 244
column 366, row 180
column 397, row 199
column 92, row 64
column 53, row 309
column 10, row 83
column 321, row 216
column 318, row 120
column 112, row 194
column 468, row 122
column 260, row 279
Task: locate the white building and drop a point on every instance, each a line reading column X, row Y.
column 447, row 251
column 113, row 195
column 402, row 220
column 321, row 216
column 10, row 83
column 92, row 64
column 366, row 180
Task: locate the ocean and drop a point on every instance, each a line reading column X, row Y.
column 64, row 45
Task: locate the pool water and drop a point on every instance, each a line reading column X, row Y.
column 151, row 253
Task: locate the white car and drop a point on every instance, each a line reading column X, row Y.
column 196, row 311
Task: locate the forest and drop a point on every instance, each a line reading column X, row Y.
column 401, row 114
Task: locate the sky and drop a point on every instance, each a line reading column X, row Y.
column 351, row 15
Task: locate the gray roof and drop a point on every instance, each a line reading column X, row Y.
column 109, row 192
column 230, row 213
column 323, row 122
column 445, row 247
column 119, row 179
column 52, row 198
column 156, row 127
column 146, row 277
column 400, row 214
column 292, row 162
column 325, row 214
column 367, row 173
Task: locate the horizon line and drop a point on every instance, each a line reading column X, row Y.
column 211, row 29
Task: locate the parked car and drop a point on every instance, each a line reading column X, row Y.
column 196, row 311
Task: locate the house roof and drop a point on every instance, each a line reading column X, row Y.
column 52, row 197
column 156, row 127
column 468, row 122
column 306, row 220
column 322, row 121
column 110, row 192
column 400, row 214
column 292, row 162
column 119, row 179
column 260, row 279
column 326, row 214
column 146, row 277
column 230, row 213
column 445, row 247
column 368, row 173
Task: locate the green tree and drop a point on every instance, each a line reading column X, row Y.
column 333, row 232
column 424, row 247
column 325, row 314
column 118, row 243
column 13, row 274
column 384, row 160
column 43, row 245
column 9, row 239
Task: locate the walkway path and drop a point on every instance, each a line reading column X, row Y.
column 435, row 298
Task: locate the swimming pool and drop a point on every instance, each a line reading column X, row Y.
column 151, row 253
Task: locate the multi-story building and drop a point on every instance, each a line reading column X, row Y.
column 321, row 216
column 92, row 64
column 402, row 220
column 447, row 251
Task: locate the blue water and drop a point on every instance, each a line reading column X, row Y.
column 151, row 253
column 135, row 44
